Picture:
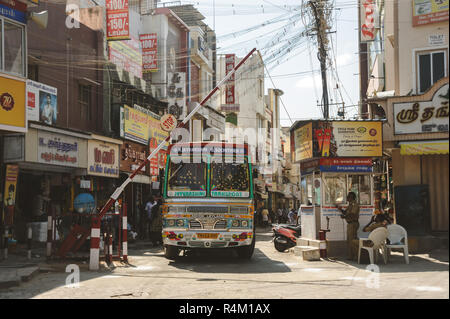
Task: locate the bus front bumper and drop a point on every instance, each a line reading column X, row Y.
column 188, row 239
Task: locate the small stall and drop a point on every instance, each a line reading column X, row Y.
column 335, row 157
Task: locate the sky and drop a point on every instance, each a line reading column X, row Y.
column 292, row 73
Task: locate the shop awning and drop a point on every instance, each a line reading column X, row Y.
column 424, row 147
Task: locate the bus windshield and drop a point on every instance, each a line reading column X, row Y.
column 230, row 179
column 187, row 178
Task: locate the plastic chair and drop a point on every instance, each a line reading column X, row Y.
column 378, row 237
column 398, row 238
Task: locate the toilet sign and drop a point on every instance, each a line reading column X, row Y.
column 168, row 122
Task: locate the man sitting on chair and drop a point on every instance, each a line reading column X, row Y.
column 375, row 222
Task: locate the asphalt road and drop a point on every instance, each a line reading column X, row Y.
column 270, row 274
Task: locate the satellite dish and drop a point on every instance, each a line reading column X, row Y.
column 40, row 18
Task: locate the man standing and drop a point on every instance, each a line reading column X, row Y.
column 351, row 216
column 148, row 209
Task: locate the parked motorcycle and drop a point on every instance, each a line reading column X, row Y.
column 285, row 236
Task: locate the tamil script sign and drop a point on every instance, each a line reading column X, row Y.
column 423, row 117
column 229, row 90
column 103, row 159
column 303, row 142
column 57, row 149
column 117, row 20
column 429, row 11
column 351, row 165
column 357, row 139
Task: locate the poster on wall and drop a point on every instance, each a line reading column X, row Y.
column 429, row 11
column 176, row 91
column 42, row 102
column 149, row 43
column 9, row 202
column 117, row 20
column 425, row 116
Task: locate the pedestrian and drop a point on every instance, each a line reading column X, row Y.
column 156, row 224
column 292, row 216
column 279, row 215
column 148, row 211
column 265, row 217
column 351, row 216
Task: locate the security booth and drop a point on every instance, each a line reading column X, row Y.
column 335, row 158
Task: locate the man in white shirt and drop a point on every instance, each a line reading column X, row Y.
column 47, row 111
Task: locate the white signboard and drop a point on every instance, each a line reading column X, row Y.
column 42, row 102
column 436, row 39
column 423, row 117
column 368, row 10
column 103, row 159
column 176, row 94
column 57, row 149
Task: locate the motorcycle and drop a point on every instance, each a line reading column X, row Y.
column 285, row 236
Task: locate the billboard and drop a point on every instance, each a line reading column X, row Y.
column 149, row 43
column 117, row 20
column 429, row 11
column 42, row 102
column 367, row 13
column 303, row 142
column 12, row 105
column 127, row 56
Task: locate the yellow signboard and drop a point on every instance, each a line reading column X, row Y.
column 303, row 142
column 12, row 104
column 357, row 139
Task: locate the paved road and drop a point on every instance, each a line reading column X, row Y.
column 269, row 274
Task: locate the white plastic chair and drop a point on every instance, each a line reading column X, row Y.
column 398, row 238
column 378, row 237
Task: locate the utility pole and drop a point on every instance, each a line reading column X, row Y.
column 318, row 12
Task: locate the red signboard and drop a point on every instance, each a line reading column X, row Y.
column 367, row 8
column 117, row 20
column 229, row 91
column 345, row 161
column 149, row 44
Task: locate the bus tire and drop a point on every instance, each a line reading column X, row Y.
column 246, row 252
column 171, row 252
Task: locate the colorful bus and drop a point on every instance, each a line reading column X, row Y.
column 208, row 199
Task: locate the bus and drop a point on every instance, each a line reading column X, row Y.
column 208, row 199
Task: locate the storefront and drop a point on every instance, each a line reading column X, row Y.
column 416, row 139
column 336, row 157
column 50, row 161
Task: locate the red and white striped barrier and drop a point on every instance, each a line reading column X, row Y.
column 29, row 238
column 94, row 262
column 109, row 256
column 124, row 233
column 49, row 234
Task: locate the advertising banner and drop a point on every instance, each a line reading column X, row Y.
column 423, row 117
column 429, row 11
column 135, row 125
column 149, row 43
column 127, row 56
column 117, row 20
column 12, row 105
column 176, row 92
column 12, row 173
column 103, row 159
column 356, row 139
column 14, row 10
column 229, row 90
column 367, row 12
column 42, row 102
column 131, row 156
column 303, row 142
column 57, row 149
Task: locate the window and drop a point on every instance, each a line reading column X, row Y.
column 12, row 48
column 335, row 190
column 431, row 67
column 188, row 175
column 84, row 98
column 360, row 185
column 230, row 176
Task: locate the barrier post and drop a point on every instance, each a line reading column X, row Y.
column 94, row 261
column 124, row 233
column 110, row 248
column 29, row 239
column 49, row 232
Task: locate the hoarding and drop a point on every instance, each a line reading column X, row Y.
column 423, row 116
column 132, row 155
column 127, row 56
column 367, row 13
column 117, row 20
column 229, row 90
column 176, row 91
column 12, row 104
column 149, row 43
column 303, row 142
column 429, row 11
column 42, row 102
column 103, row 159
column 135, row 125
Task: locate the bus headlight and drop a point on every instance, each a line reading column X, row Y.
column 180, row 222
column 170, row 222
column 244, row 223
column 235, row 223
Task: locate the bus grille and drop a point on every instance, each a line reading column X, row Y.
column 195, row 224
column 221, row 224
column 208, row 209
